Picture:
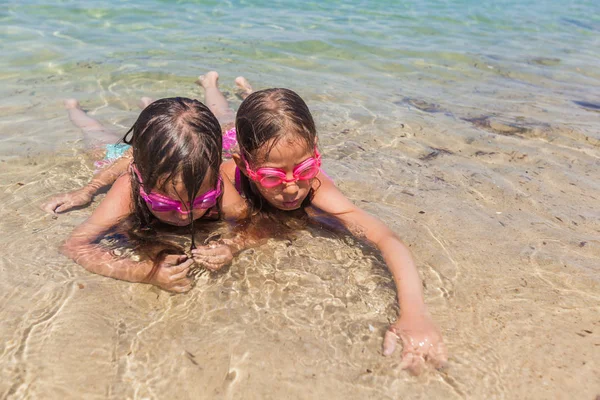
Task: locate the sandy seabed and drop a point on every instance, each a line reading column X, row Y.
column 501, row 215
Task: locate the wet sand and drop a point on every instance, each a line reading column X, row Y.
column 500, row 212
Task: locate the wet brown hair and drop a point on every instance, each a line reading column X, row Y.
column 263, row 119
column 172, row 138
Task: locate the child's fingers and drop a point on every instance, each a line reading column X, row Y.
column 63, row 207
column 412, row 362
column 174, row 260
column 209, row 251
column 213, row 259
column 438, row 356
column 204, row 263
column 183, row 266
column 50, row 206
column 176, row 273
column 389, row 342
column 181, row 288
column 212, row 266
column 407, row 360
column 202, row 251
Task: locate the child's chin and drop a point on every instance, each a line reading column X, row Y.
column 175, row 222
column 178, row 223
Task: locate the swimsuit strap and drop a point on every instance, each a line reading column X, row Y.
column 238, row 180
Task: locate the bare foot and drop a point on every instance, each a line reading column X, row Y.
column 209, row 79
column 71, row 104
column 244, row 88
column 145, row 102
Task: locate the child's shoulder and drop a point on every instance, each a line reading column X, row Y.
column 116, row 205
column 123, row 182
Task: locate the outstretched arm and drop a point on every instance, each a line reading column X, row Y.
column 415, row 328
column 81, row 247
column 83, row 196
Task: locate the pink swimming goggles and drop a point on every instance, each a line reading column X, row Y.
column 160, row 203
column 271, row 177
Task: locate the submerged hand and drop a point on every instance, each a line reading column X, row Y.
column 421, row 342
column 214, row 256
column 172, row 274
column 67, row 201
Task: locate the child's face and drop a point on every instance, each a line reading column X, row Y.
column 286, row 155
column 175, row 190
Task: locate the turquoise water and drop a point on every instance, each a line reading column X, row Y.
column 466, row 57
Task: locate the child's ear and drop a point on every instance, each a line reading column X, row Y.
column 239, row 163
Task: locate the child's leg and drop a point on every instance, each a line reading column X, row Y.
column 94, row 134
column 244, row 88
column 214, row 99
column 145, row 102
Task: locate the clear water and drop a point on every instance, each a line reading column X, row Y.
column 469, row 127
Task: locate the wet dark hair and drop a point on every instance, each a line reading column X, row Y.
column 264, row 118
column 172, row 138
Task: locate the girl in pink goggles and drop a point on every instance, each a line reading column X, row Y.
column 271, row 177
column 161, row 203
column 275, row 127
column 176, row 144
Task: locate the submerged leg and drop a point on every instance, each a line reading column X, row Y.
column 94, row 133
column 145, row 102
column 244, row 88
column 214, row 99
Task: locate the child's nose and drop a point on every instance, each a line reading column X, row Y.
column 291, row 187
column 183, row 216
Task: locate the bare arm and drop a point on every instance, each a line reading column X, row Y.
column 397, row 256
column 415, row 327
column 110, row 174
column 80, row 197
column 80, row 245
column 233, row 205
column 114, row 207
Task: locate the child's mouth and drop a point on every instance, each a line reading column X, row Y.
column 291, row 204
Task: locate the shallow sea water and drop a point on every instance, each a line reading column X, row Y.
column 469, row 128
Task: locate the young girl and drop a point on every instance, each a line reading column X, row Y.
column 173, row 179
column 278, row 169
column 118, row 155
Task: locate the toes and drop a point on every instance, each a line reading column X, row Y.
column 145, row 102
column 243, row 84
column 210, row 78
column 200, row 80
column 71, row 103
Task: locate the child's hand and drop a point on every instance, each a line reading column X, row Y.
column 421, row 342
column 67, row 201
column 172, row 274
column 213, row 256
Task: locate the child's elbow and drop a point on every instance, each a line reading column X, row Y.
column 387, row 239
column 69, row 248
column 236, row 212
column 65, row 248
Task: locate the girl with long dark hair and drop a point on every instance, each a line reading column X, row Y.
column 173, row 179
